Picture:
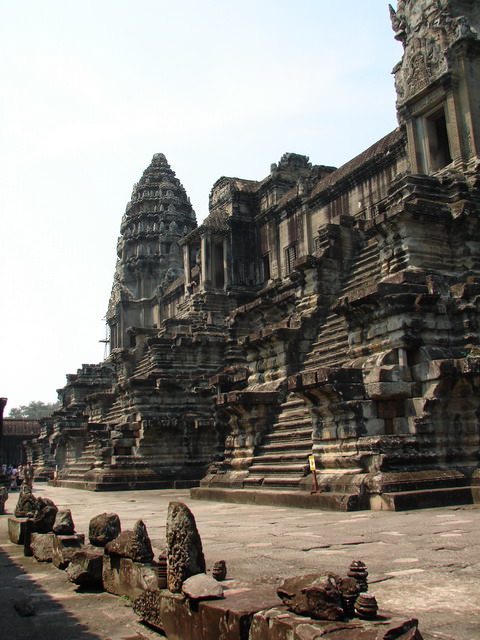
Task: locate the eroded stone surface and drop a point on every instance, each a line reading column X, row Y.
column 184, row 547
column 133, row 544
column 64, row 548
column 315, row 596
column 26, row 502
column 17, row 528
column 147, row 607
column 124, row 577
column 63, row 524
column 43, row 516
column 85, row 567
column 202, row 587
column 103, row 528
column 41, row 545
column 279, row 624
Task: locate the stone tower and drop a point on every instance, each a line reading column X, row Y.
column 438, row 96
column 149, row 258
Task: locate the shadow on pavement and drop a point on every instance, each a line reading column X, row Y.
column 20, row 596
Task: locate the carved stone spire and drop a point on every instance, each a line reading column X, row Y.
column 158, row 214
column 428, row 29
column 437, row 82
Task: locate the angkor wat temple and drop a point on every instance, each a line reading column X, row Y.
column 320, row 311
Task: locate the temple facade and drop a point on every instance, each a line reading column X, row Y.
column 320, row 312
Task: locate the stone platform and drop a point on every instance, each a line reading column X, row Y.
column 422, row 564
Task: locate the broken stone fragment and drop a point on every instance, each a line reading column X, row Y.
column 63, row 525
column 184, row 547
column 26, row 502
column 17, row 529
column 41, row 545
column 202, row 587
column 103, row 528
column 43, row 517
column 219, row 570
column 64, row 548
column 132, row 544
column 315, row 596
column 124, row 577
column 85, row 567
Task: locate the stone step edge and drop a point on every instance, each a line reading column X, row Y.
column 328, row 501
column 124, row 485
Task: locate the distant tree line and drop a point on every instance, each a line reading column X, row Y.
column 33, row 410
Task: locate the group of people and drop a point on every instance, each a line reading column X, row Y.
column 16, row 476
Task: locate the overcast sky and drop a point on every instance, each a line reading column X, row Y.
column 91, row 90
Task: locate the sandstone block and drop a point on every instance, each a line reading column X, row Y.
column 26, row 502
column 279, row 624
column 17, row 530
column 103, row 528
column 85, row 567
column 124, row 577
column 227, row 618
column 43, row 517
column 64, row 548
column 41, row 545
column 63, row 524
column 202, row 587
column 133, row 544
column 184, row 547
column 315, row 596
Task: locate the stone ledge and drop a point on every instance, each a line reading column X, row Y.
column 254, row 613
column 302, row 499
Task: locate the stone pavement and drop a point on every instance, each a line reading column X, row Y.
column 423, row 564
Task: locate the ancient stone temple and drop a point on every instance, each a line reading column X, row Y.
column 319, row 312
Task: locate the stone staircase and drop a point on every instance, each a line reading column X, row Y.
column 330, row 350
column 331, row 346
column 281, row 461
column 143, row 367
column 282, row 458
column 366, row 269
column 75, row 470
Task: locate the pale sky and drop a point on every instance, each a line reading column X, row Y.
column 91, row 90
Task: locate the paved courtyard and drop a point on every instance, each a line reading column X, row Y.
column 423, row 564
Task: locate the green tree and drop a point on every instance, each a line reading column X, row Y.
column 33, row 410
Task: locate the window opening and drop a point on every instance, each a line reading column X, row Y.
column 266, row 266
column 290, row 257
column 439, row 147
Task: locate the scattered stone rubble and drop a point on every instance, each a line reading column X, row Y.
column 195, row 605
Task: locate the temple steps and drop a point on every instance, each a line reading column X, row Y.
column 143, row 367
column 331, row 347
column 366, row 269
column 289, row 440
column 76, row 470
column 281, row 461
column 282, row 458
